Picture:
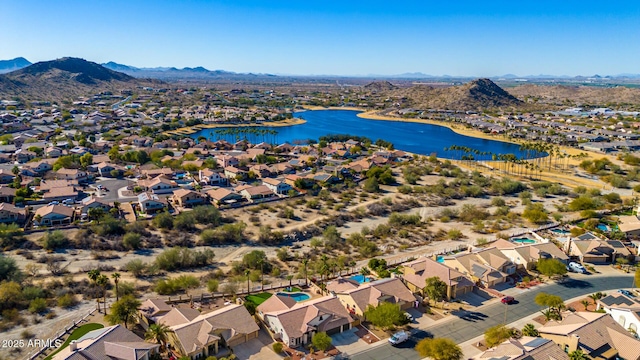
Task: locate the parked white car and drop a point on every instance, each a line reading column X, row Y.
column 577, row 268
column 399, row 337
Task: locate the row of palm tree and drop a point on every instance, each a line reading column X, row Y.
column 252, row 134
column 533, row 162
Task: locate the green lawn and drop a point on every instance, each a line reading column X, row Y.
column 258, row 298
column 77, row 334
column 293, row 289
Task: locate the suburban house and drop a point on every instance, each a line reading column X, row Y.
column 525, row 348
column 596, row 334
column 295, row 323
column 158, row 185
column 151, row 310
column 261, row 170
column 204, row 334
column 593, row 251
column 232, row 172
column 222, row 197
column 53, row 215
column 105, row 169
column 623, row 309
column 630, row 225
column 257, row 193
column 488, row 267
column 150, row 203
column 374, row 293
column 11, row 214
column 418, row 271
column 226, row 160
column 210, row 177
column 53, row 152
column 6, row 176
column 60, row 194
column 188, row 198
column 7, row 194
column 72, row 174
column 277, row 186
column 92, row 202
column 113, row 342
column 36, row 168
column 527, row 256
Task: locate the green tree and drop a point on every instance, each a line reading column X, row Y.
column 371, row 185
column 278, row 347
column 435, row 289
column 386, row 315
column 578, row 355
column 554, row 303
column 321, row 341
column 132, row 241
column 38, row 306
column 551, row 267
column 495, row 335
column 530, row 330
column 158, row 333
column 439, row 349
column 9, row 270
column 86, row 160
column 123, row 310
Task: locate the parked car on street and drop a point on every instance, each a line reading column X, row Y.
column 399, row 337
column 507, row 300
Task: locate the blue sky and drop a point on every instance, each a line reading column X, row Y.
column 460, row 38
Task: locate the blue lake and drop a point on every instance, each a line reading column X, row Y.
column 417, row 138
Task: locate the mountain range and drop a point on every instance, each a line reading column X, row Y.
column 13, row 64
column 65, row 78
column 172, row 73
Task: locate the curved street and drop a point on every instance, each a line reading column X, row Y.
column 464, row 326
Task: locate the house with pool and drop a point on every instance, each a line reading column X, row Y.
column 295, row 322
column 416, row 272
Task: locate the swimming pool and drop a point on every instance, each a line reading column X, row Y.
column 603, row 227
column 297, row 296
column 360, row 278
column 523, row 241
column 440, row 259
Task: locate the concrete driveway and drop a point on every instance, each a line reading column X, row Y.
column 257, row 349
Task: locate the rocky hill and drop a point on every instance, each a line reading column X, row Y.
column 187, row 73
column 13, row 64
column 566, row 96
column 64, row 78
column 476, row 95
column 380, row 86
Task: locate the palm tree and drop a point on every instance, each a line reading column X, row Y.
column 586, row 304
column 529, row 330
column 103, row 282
column 247, row 273
column 158, row 333
column 577, row 355
column 306, row 278
column 116, row 279
column 93, row 275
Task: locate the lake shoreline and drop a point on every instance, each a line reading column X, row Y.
column 189, row 130
column 373, row 115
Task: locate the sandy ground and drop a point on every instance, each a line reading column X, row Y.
column 193, row 129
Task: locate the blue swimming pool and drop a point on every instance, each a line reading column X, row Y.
column 603, row 227
column 297, row 296
column 360, row 278
column 523, row 241
column 440, row 259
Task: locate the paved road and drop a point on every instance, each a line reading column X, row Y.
column 466, row 326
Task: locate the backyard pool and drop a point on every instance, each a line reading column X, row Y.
column 440, row 259
column 360, row 278
column 603, row 227
column 523, row 241
column 297, row 296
